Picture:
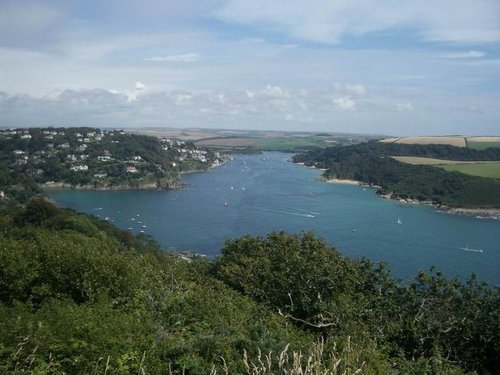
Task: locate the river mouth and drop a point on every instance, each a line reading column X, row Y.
column 257, row 194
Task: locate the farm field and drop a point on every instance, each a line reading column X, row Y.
column 228, row 142
column 477, row 143
column 482, row 145
column 293, row 143
column 452, row 141
column 255, row 140
column 428, row 161
column 489, row 169
column 269, row 143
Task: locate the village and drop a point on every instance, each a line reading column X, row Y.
column 94, row 158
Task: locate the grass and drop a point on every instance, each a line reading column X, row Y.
column 490, row 169
column 482, row 145
column 270, row 143
column 292, row 143
column 428, row 161
column 456, row 141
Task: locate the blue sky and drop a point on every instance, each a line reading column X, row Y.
column 381, row 67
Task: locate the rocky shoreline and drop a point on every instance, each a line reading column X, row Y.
column 144, row 186
column 480, row 213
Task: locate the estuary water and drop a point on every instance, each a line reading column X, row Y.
column 257, row 194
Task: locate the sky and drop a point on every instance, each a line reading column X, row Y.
column 395, row 67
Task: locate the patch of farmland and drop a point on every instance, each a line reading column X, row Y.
column 452, row 141
column 484, row 139
column 228, row 142
column 482, row 143
column 389, row 140
column 430, row 161
column 491, row 170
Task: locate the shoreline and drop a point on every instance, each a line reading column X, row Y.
column 479, row 213
column 342, row 182
column 149, row 186
column 145, row 186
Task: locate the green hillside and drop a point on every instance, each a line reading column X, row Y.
column 374, row 163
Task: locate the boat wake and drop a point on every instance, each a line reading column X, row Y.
column 467, row 248
column 308, row 212
column 281, row 212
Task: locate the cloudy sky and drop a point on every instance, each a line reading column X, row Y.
column 401, row 67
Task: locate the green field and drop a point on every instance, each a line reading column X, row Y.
column 482, row 145
column 293, row 143
column 274, row 143
column 491, row 170
column 416, row 160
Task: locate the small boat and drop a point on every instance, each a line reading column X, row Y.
column 226, row 204
column 399, row 221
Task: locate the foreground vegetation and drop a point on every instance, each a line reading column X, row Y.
column 374, row 163
column 80, row 296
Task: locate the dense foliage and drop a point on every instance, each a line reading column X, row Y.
column 78, row 295
column 372, row 164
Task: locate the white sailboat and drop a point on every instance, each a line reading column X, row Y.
column 399, row 221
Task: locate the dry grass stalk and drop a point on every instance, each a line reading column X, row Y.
column 344, row 362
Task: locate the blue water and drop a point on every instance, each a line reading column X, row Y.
column 266, row 192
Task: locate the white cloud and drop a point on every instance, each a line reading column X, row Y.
column 326, row 21
column 235, row 109
column 356, row 89
column 187, row 57
column 275, row 92
column 139, row 86
column 463, row 55
column 404, row 107
column 345, row 104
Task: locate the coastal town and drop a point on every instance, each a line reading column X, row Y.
column 89, row 158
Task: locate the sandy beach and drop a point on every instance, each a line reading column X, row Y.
column 344, row 182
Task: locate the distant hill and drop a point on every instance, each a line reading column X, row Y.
column 251, row 141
